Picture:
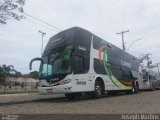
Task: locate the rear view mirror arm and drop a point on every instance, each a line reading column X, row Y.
column 34, row 59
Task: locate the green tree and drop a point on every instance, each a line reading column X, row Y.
column 8, row 10
column 34, row 74
column 7, row 69
column 2, row 75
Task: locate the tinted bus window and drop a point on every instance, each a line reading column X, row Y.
column 78, row 65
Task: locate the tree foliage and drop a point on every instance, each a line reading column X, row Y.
column 8, row 70
column 9, row 9
column 2, row 75
column 34, row 74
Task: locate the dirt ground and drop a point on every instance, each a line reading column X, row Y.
column 144, row 102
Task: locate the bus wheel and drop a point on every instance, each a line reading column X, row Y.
column 70, row 96
column 98, row 91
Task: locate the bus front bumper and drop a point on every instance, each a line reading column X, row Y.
column 60, row 89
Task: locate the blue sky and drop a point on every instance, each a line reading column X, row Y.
column 20, row 40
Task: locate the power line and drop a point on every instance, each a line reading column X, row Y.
column 39, row 20
column 42, row 21
column 40, row 24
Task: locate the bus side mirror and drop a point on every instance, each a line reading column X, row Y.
column 34, row 59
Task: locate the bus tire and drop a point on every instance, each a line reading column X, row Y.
column 70, row 96
column 98, row 90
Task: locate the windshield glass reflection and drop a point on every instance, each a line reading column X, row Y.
column 57, row 63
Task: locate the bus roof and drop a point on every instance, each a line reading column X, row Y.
column 70, row 33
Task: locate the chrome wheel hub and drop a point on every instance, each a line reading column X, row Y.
column 98, row 90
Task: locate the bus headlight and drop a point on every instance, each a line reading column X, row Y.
column 65, row 81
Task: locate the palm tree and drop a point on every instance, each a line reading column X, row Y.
column 7, row 69
column 2, row 75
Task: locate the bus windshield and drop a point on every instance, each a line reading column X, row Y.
column 57, row 63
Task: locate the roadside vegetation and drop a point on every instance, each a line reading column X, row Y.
column 13, row 81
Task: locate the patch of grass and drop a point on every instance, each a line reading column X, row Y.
column 17, row 92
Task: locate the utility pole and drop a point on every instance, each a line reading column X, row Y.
column 43, row 33
column 148, row 60
column 158, row 68
column 146, row 57
column 122, row 32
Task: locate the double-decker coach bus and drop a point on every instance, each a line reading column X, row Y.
column 76, row 61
